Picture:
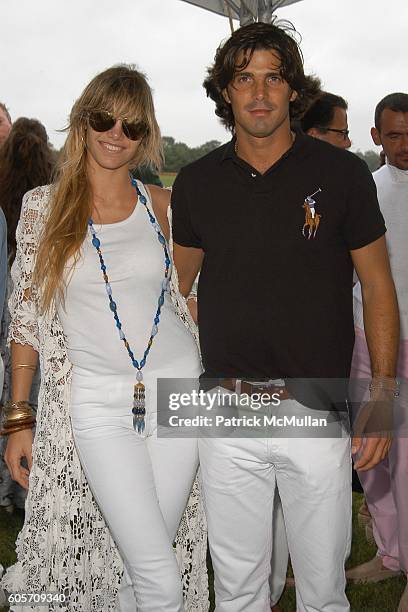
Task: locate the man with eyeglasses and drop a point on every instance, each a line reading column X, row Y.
column 326, row 120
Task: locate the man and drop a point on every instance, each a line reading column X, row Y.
column 326, row 119
column 5, row 123
column 385, row 486
column 276, row 221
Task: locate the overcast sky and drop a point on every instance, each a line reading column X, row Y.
column 50, row 49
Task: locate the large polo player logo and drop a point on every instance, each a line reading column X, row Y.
column 312, row 218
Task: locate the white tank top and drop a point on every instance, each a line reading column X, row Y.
column 134, row 259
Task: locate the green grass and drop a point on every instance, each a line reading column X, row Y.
column 381, row 597
column 168, row 179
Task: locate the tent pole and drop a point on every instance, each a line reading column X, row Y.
column 227, row 6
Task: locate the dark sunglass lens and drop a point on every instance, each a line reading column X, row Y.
column 101, row 122
column 134, row 131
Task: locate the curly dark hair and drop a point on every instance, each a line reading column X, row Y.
column 26, row 161
column 279, row 37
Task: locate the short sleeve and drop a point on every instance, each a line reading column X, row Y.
column 364, row 222
column 184, row 233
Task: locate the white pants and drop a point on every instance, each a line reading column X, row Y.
column 141, row 484
column 313, row 476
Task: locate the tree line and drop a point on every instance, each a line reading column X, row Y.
column 178, row 154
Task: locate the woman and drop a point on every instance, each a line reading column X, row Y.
column 26, row 161
column 91, row 290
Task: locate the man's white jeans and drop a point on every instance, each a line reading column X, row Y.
column 313, row 476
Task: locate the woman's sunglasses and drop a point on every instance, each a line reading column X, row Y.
column 102, row 121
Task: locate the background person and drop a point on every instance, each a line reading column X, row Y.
column 326, row 119
column 385, row 485
column 92, row 274
column 26, row 161
column 5, row 123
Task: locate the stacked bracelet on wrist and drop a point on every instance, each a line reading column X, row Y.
column 17, row 416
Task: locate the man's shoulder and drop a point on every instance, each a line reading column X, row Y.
column 381, row 174
column 333, row 155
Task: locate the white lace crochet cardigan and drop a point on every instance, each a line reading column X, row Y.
column 65, row 545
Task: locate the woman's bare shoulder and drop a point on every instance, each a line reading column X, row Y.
column 160, row 203
column 160, row 197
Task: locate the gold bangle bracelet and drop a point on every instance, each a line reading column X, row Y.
column 28, row 366
column 18, row 416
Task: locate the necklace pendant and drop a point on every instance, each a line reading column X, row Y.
column 139, row 407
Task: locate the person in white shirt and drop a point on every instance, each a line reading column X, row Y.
column 385, row 485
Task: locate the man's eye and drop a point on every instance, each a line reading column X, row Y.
column 244, row 78
column 274, row 78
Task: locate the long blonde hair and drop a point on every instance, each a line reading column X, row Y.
column 123, row 91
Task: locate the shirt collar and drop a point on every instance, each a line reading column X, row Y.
column 297, row 146
column 398, row 175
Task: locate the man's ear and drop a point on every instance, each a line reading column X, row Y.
column 226, row 96
column 293, row 96
column 313, row 132
column 375, row 135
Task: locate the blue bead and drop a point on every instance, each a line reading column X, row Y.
column 154, row 330
column 161, row 238
column 156, row 319
column 135, row 363
column 143, row 363
column 112, row 306
column 143, row 199
column 161, row 300
column 134, row 183
column 103, row 267
column 96, row 242
column 167, row 260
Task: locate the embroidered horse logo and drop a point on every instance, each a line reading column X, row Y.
column 312, row 218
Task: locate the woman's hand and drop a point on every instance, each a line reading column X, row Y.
column 19, row 445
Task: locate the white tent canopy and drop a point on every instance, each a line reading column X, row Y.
column 246, row 11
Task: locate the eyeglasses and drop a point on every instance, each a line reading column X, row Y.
column 345, row 133
column 102, row 121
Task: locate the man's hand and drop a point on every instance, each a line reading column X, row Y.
column 373, row 429
column 19, row 445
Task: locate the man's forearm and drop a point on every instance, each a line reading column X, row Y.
column 381, row 324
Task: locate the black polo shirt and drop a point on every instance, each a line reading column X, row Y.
column 273, row 303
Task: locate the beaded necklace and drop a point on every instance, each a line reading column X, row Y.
column 139, row 403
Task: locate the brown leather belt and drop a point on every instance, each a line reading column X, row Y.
column 266, row 389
